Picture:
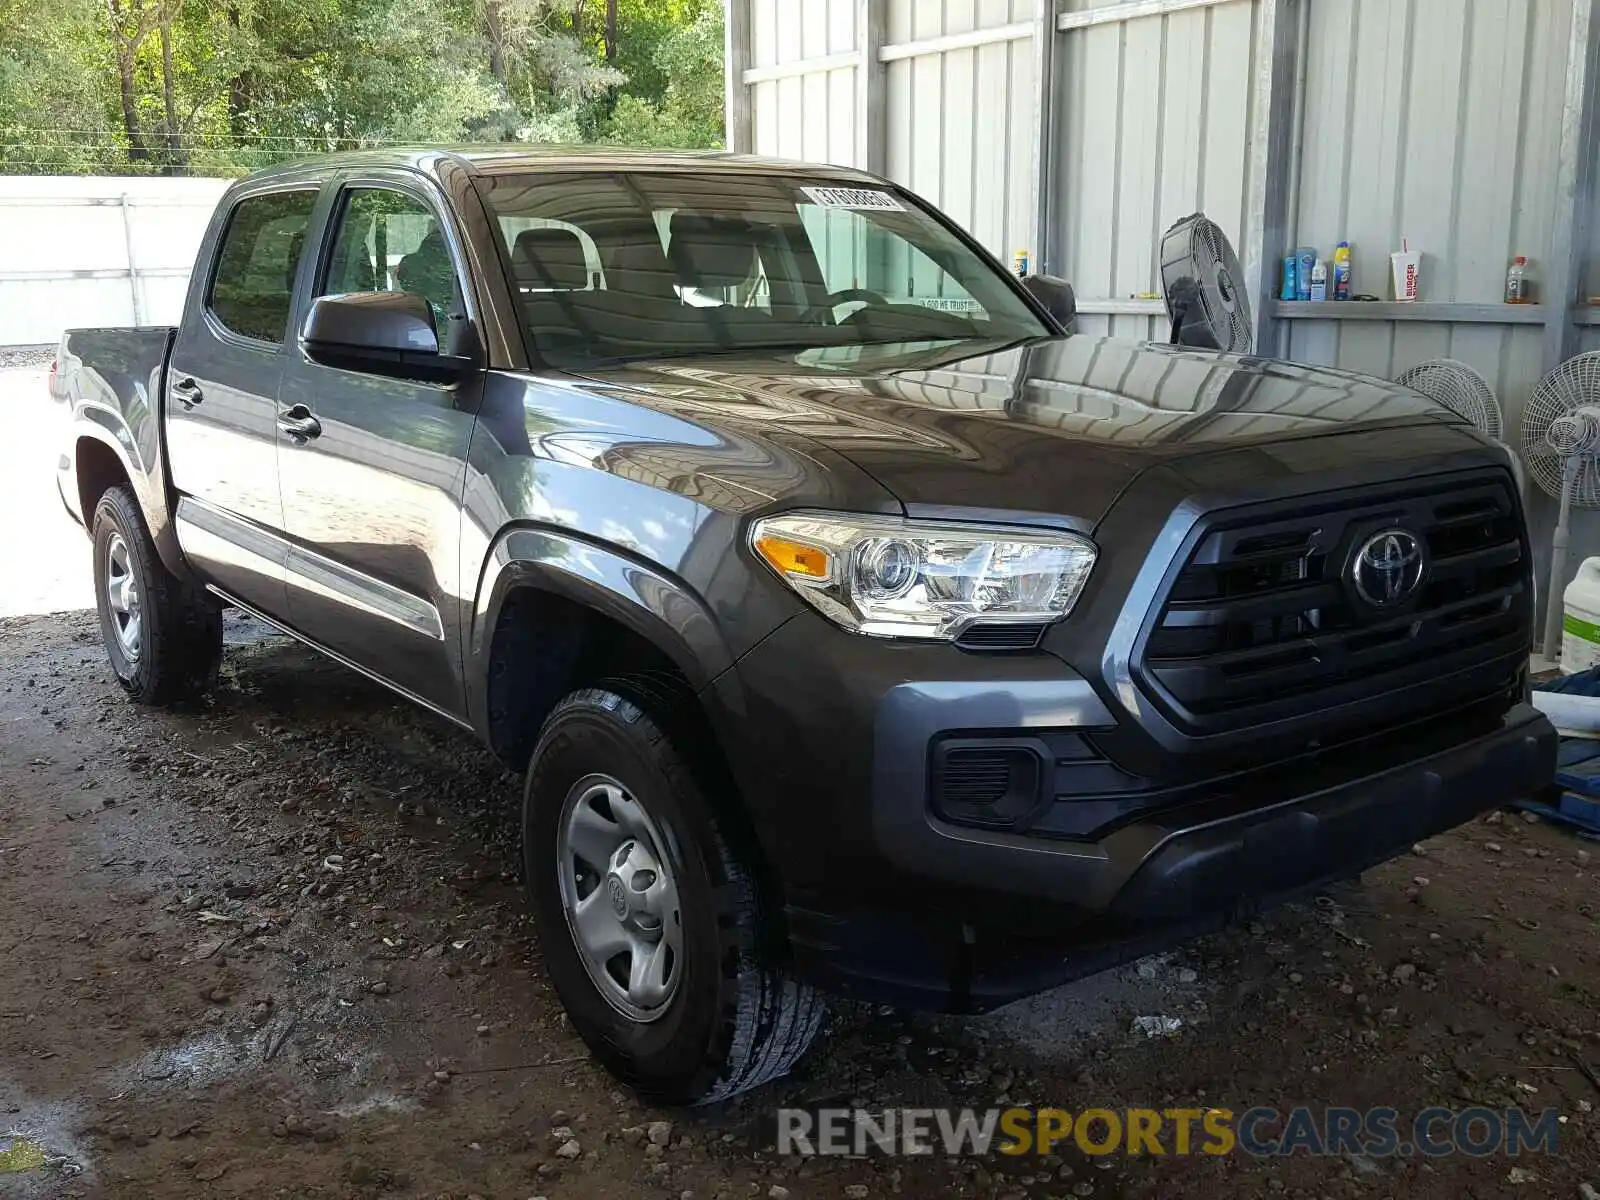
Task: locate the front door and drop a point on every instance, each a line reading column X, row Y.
column 222, row 390
column 372, row 500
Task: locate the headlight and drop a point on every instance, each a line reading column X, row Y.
column 888, row 577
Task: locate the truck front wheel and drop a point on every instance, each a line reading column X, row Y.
column 162, row 635
column 649, row 923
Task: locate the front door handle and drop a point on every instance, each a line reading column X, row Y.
column 299, row 424
column 187, row 392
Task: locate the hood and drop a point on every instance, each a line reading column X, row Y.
column 1059, row 426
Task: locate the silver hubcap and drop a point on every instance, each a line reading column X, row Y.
column 620, row 897
column 122, row 598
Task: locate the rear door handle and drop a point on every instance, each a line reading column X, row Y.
column 299, row 424
column 188, row 392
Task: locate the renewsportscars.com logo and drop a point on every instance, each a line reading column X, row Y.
column 1262, row 1132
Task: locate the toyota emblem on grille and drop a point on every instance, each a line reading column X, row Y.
column 1387, row 567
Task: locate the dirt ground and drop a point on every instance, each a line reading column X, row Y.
column 276, row 947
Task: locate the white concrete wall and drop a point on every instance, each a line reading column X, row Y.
column 90, row 250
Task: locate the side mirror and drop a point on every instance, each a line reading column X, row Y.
column 382, row 333
column 1057, row 297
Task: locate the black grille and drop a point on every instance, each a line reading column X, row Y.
column 1000, row 637
column 1261, row 622
column 976, row 778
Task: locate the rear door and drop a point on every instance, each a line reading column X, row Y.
column 222, row 388
column 373, row 501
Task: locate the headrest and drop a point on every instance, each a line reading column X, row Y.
column 711, row 252
column 428, row 264
column 634, row 261
column 550, row 258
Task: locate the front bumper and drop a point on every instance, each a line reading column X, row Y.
column 886, row 901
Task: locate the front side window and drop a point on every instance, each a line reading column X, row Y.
column 256, row 263
column 390, row 242
column 611, row 266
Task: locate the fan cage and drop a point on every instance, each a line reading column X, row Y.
column 1460, row 388
column 1573, row 385
column 1206, row 266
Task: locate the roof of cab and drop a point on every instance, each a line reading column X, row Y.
column 503, row 158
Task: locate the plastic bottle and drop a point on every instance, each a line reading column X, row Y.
column 1580, row 625
column 1291, row 269
column 1019, row 264
column 1319, row 281
column 1302, row 274
column 1517, row 282
column 1341, row 271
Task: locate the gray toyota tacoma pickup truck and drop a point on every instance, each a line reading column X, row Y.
column 859, row 627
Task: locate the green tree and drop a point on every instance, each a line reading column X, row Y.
column 688, row 113
column 223, row 86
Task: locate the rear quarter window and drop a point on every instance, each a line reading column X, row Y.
column 253, row 284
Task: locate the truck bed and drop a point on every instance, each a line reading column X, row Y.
column 111, row 382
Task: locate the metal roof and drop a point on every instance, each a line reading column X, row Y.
column 509, row 158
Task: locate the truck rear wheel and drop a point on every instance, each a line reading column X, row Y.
column 162, row 635
column 649, row 923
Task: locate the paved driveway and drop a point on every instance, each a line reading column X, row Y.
column 44, row 555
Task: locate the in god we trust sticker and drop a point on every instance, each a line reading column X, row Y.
column 856, row 198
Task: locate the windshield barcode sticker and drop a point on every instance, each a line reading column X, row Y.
column 843, row 197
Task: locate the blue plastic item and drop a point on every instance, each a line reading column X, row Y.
column 1307, row 261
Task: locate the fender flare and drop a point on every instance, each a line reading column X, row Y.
column 638, row 595
column 108, row 428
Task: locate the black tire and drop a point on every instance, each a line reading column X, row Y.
column 181, row 626
column 734, row 1021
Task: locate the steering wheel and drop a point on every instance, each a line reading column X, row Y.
column 815, row 314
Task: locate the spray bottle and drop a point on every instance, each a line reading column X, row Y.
column 1341, row 271
column 1319, row 281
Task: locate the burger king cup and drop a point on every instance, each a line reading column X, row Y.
column 1407, row 264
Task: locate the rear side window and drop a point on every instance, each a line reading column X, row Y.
column 251, row 290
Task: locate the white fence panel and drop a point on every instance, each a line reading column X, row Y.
column 92, row 250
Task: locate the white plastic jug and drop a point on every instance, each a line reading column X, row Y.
column 1580, row 623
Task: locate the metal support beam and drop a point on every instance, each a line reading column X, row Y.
column 1432, row 311
column 740, row 133
column 958, row 41
column 1271, row 134
column 133, row 267
column 1296, row 163
column 872, row 87
column 94, row 273
column 1576, row 196
column 1045, row 109
column 1086, row 17
column 802, row 66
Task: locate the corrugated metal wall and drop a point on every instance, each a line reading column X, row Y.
column 1451, row 123
column 1156, row 125
column 810, row 116
column 1437, row 121
column 961, row 121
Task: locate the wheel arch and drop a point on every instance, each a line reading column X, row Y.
column 100, row 461
column 98, row 467
column 549, row 598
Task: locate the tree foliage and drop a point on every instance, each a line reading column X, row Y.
column 224, row 86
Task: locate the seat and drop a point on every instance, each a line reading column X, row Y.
column 550, row 260
column 711, row 253
column 428, row 271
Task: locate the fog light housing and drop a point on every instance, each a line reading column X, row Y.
column 988, row 784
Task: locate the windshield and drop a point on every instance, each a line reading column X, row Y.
column 611, row 266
